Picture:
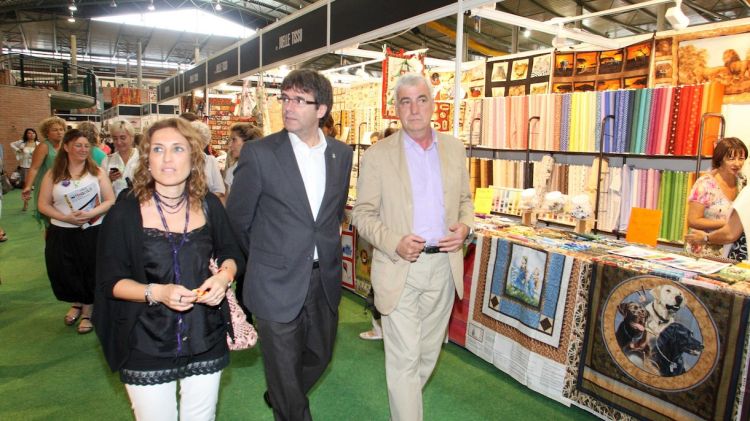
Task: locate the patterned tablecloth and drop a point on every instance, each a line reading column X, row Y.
column 624, row 339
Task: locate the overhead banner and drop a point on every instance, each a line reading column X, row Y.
column 195, row 78
column 223, row 66
column 305, row 33
column 250, row 55
column 167, row 89
column 583, row 71
column 350, row 18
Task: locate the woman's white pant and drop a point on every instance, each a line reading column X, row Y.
column 198, row 397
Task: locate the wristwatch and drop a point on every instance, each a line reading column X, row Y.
column 150, row 296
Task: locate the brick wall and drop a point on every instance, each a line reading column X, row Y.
column 221, row 120
column 21, row 108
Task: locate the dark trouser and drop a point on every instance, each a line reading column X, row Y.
column 296, row 354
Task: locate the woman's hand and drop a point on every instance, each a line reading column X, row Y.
column 26, row 193
column 213, row 289
column 114, row 174
column 174, row 296
column 697, row 237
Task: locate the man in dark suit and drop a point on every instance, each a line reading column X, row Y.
column 287, row 203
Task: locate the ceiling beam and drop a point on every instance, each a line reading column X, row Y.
column 169, row 53
column 473, row 45
column 23, row 37
column 54, row 35
column 117, row 41
column 708, row 14
column 88, row 37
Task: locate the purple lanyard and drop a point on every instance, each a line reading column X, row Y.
column 175, row 261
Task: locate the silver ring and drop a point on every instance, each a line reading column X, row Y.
column 179, row 300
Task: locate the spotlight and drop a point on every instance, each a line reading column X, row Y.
column 527, row 33
column 218, row 6
column 151, row 6
column 72, row 6
column 71, row 18
column 113, row 3
column 676, row 17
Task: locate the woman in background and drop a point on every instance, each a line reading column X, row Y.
column 24, row 150
column 75, row 194
column 53, row 130
column 160, row 314
column 213, row 175
column 121, row 164
column 710, row 200
column 91, row 131
column 240, row 133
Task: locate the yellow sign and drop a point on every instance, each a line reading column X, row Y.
column 483, row 200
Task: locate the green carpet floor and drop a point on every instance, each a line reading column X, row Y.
column 49, row 372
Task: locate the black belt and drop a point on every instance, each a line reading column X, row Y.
column 316, row 264
column 432, row 250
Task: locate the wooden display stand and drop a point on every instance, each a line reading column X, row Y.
column 583, row 226
column 528, row 218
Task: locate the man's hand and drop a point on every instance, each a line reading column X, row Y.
column 454, row 240
column 410, row 246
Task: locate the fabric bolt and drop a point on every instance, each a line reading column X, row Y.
column 694, row 120
column 631, row 115
column 645, row 128
column 557, row 129
column 674, row 122
column 666, row 120
column 713, row 99
column 565, row 122
column 625, row 198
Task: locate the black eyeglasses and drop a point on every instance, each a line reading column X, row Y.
column 296, row 101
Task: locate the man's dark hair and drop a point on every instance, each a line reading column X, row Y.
column 311, row 82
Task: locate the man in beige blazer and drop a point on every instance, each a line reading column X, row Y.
column 414, row 206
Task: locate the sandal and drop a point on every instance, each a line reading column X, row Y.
column 85, row 328
column 71, row 318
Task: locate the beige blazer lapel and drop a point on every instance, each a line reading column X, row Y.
column 397, row 155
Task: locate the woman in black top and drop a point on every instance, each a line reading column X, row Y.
column 162, row 318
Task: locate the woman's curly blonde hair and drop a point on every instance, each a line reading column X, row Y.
column 144, row 183
column 47, row 124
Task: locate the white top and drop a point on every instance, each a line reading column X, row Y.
column 312, row 167
column 229, row 175
column 741, row 205
column 126, row 169
column 213, row 175
column 23, row 152
column 83, row 194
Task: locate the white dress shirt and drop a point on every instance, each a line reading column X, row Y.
column 312, row 166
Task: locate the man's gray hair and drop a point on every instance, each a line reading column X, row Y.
column 411, row 79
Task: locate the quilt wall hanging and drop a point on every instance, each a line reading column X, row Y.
column 518, row 76
column 583, row 71
column 396, row 64
column 658, row 349
column 347, row 252
column 718, row 55
column 521, row 311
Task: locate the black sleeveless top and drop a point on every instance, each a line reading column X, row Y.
column 155, row 357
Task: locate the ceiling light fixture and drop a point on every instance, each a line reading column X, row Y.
column 72, row 18
column 676, row 17
column 113, row 3
column 218, row 6
column 72, row 6
column 527, row 32
column 151, row 6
